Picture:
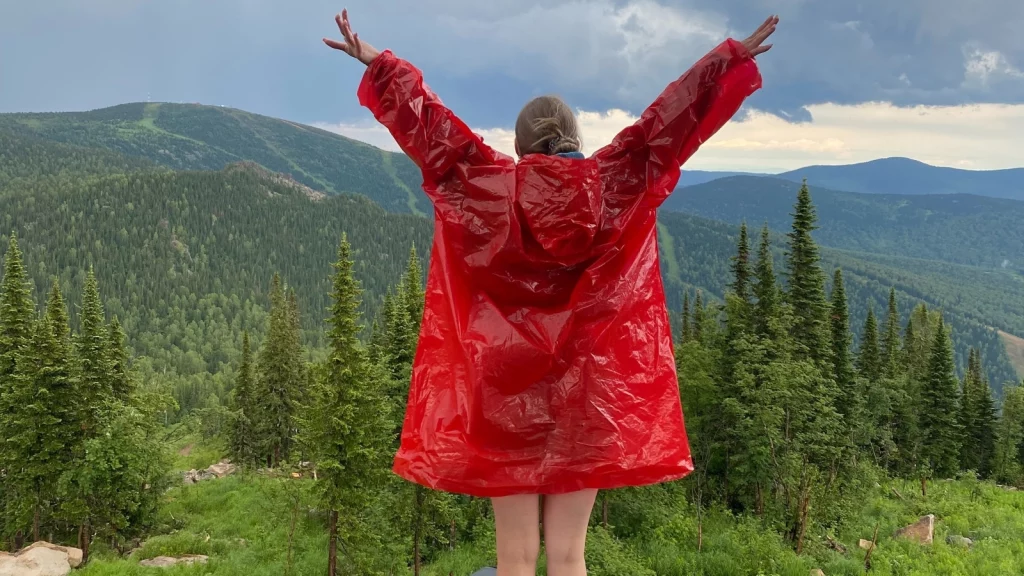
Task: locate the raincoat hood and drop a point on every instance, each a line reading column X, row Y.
column 559, row 199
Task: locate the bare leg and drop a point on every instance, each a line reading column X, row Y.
column 516, row 520
column 566, row 517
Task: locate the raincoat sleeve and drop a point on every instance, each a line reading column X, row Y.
column 644, row 159
column 429, row 133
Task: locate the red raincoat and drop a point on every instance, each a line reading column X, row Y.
column 545, row 361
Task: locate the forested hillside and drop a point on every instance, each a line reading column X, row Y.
column 696, row 256
column 188, row 256
column 194, row 137
column 972, row 230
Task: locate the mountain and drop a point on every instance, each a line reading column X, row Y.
column 184, row 258
column 971, row 230
column 694, row 177
column 906, row 176
column 196, row 137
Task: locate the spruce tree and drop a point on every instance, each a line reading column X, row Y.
column 977, row 419
column 122, row 383
column 741, row 267
column 347, row 429
column 698, row 317
column 940, row 429
column 806, row 281
column 849, row 402
column 891, row 344
column 1007, row 465
column 95, row 381
column 412, row 286
column 869, row 358
column 687, row 330
column 278, row 380
column 766, row 289
column 16, row 322
column 243, row 447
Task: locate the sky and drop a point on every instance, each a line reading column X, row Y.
column 941, row 81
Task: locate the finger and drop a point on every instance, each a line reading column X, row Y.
column 337, row 45
column 340, row 22
column 761, row 50
column 357, row 45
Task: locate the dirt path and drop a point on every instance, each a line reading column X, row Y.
column 1015, row 350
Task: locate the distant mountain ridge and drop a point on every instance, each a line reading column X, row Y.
column 962, row 229
column 198, row 137
column 894, row 176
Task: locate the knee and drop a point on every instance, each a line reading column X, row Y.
column 521, row 550
column 565, row 551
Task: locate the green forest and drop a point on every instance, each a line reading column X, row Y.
column 206, row 283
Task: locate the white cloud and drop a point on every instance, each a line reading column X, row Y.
column 985, row 136
column 628, row 49
column 981, row 66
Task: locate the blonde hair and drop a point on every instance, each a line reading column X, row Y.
column 546, row 125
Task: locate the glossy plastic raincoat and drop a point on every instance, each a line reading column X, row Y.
column 545, row 361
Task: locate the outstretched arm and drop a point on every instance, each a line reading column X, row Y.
column 393, row 89
column 644, row 159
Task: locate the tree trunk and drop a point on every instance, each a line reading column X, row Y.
column 924, row 487
column 604, row 511
column 84, row 539
column 19, row 540
column 452, row 537
column 332, row 543
column 35, row 524
column 417, row 530
column 760, row 500
column 804, row 513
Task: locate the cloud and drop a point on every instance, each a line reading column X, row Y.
column 984, row 136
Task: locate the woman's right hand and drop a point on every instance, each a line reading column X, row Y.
column 754, row 43
column 352, row 45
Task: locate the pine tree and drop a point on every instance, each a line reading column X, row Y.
column 687, row 330
column 869, row 358
column 850, row 401
column 741, row 267
column 243, row 448
column 940, row 429
column 806, row 281
column 122, row 383
column 347, row 430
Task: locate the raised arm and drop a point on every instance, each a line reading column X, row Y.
column 394, row 91
column 644, row 159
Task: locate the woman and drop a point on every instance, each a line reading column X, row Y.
column 545, row 363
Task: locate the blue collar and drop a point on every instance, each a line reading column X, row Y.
column 573, row 155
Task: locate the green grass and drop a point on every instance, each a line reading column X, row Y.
column 242, row 524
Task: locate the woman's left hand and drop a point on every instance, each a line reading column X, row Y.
column 352, row 45
column 755, row 44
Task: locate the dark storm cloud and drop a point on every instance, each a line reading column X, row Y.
column 486, row 58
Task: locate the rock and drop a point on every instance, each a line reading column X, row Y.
column 165, row 561
column 920, row 531
column 296, row 475
column 817, row 572
column 864, row 544
column 959, row 541
column 40, row 559
column 221, row 469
